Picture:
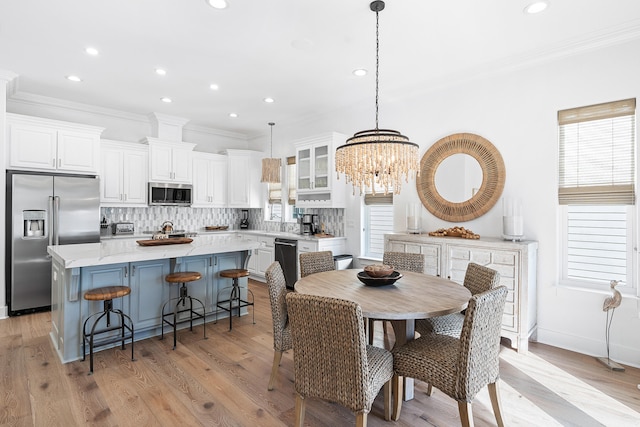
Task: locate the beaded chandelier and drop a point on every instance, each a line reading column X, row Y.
column 380, row 158
column 271, row 166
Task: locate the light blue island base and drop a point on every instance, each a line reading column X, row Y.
column 78, row 268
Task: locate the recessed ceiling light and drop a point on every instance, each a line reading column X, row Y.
column 166, row 99
column 536, row 7
column 91, row 51
column 161, row 72
column 213, row 86
column 218, row 4
column 269, row 100
column 360, row 72
column 233, row 115
column 74, row 78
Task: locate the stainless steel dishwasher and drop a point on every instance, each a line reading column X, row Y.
column 287, row 255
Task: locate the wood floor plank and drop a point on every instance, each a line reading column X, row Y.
column 15, row 403
column 43, row 375
column 223, row 381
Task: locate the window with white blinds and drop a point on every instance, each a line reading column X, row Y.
column 378, row 221
column 282, row 195
column 596, row 191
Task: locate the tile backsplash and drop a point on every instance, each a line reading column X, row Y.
column 195, row 219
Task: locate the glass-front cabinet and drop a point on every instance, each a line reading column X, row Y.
column 313, row 168
column 317, row 182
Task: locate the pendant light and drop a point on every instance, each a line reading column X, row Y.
column 271, row 166
column 380, row 158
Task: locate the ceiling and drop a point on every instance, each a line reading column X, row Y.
column 299, row 52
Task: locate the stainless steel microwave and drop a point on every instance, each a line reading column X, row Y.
column 170, row 194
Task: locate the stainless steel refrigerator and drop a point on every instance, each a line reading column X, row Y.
column 45, row 210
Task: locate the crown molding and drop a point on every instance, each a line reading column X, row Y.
column 31, row 99
column 216, row 132
column 12, row 82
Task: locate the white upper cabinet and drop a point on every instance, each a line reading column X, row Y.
column 244, row 187
column 209, row 180
column 169, row 161
column 317, row 184
column 123, row 176
column 52, row 145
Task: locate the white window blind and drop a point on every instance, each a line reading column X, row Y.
column 597, row 154
column 599, row 246
column 378, row 221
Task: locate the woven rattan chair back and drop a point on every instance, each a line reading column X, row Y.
column 316, row 262
column 459, row 367
column 479, row 356
column 477, row 279
column 331, row 358
column 404, row 261
column 480, row 279
column 281, row 328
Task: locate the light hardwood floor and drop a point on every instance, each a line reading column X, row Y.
column 223, row 381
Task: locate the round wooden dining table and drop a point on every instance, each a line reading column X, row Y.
column 414, row 296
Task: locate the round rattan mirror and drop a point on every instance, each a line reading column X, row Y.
column 493, row 177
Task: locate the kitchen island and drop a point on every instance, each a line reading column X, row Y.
column 77, row 268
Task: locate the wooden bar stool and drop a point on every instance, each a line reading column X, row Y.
column 106, row 294
column 234, row 296
column 182, row 278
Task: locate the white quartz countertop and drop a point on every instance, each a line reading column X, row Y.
column 113, row 251
column 277, row 234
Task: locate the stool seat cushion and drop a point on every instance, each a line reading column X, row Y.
column 234, row 273
column 106, row 293
column 186, row 276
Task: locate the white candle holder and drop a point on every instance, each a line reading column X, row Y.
column 413, row 218
column 512, row 221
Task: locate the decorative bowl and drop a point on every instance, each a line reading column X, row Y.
column 378, row 270
column 379, row 281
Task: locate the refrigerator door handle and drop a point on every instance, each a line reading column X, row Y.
column 50, row 220
column 56, row 211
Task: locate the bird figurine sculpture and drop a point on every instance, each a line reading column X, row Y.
column 609, row 306
column 614, row 300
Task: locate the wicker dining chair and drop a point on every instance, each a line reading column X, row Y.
column 332, row 360
column 477, row 279
column 459, row 367
column 316, row 262
column 281, row 327
column 400, row 261
column 404, row 261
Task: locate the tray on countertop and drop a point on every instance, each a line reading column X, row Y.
column 216, row 227
column 323, row 235
column 160, row 242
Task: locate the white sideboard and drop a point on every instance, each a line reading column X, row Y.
column 515, row 261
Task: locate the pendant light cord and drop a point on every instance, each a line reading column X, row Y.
column 271, row 143
column 377, row 61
